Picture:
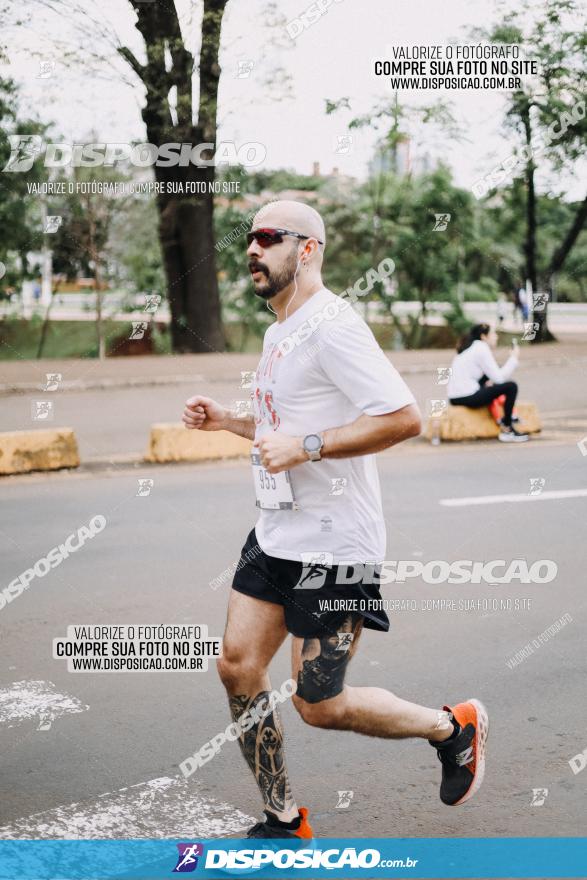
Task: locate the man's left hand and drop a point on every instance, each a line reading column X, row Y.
column 279, row 452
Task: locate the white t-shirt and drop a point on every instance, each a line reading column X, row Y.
column 322, row 368
column 474, row 362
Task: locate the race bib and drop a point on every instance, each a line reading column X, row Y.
column 273, row 491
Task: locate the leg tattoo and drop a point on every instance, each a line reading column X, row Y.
column 322, row 675
column 262, row 745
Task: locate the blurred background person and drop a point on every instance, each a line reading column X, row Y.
column 501, row 309
column 523, row 300
column 476, row 379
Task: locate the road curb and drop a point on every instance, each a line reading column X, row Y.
column 171, row 441
column 45, row 450
column 105, row 384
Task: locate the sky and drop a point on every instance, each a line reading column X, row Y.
column 331, row 59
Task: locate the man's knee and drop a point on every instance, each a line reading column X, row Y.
column 510, row 386
column 236, row 669
column 328, row 713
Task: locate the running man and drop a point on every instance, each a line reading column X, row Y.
column 325, row 400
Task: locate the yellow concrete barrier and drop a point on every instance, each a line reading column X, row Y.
column 462, row 423
column 174, row 442
column 46, row 450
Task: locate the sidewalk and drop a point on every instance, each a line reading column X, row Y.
column 80, row 374
column 112, row 404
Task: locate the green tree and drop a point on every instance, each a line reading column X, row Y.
column 81, row 245
column 550, row 108
column 179, row 107
column 19, row 213
column 134, row 246
column 186, row 222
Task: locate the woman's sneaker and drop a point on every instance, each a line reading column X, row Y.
column 510, row 435
column 463, row 755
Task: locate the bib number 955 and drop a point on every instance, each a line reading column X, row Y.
column 273, row 491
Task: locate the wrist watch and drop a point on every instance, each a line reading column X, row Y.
column 313, row 444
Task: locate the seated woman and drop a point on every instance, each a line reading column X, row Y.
column 476, row 379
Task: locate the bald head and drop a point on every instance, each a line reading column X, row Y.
column 295, row 216
column 289, row 266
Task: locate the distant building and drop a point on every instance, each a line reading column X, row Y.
column 400, row 159
column 336, row 185
column 389, row 159
column 333, row 186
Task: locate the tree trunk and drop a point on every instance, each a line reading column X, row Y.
column 187, row 241
column 560, row 255
column 540, row 318
column 186, row 229
column 530, row 242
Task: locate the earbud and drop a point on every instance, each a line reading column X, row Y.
column 299, row 263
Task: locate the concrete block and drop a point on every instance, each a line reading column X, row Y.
column 45, row 450
column 463, row 423
column 174, row 442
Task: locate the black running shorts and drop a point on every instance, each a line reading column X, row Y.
column 275, row 580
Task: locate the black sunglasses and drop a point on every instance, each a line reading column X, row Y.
column 266, row 237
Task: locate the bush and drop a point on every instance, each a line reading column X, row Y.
column 456, row 319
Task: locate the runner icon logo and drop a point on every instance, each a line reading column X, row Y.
column 344, row 799
column 315, row 567
column 443, row 375
column 537, row 484
column 187, row 860
column 345, row 640
column 441, row 222
column 53, row 380
column 145, row 486
column 539, row 796
column 530, row 331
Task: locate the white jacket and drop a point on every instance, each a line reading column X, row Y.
column 474, row 362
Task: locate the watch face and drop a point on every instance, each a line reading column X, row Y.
column 312, row 443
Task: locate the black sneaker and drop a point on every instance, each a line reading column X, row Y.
column 463, row 757
column 271, row 828
column 510, row 435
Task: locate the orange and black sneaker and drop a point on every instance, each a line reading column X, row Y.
column 274, row 832
column 272, row 827
column 463, row 755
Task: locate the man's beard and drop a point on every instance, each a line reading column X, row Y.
column 276, row 280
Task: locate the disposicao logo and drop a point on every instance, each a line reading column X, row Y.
column 187, row 860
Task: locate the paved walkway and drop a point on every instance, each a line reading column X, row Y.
column 89, row 373
column 111, row 405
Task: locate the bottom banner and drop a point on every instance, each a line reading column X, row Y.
column 475, row 858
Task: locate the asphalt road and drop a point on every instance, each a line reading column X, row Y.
column 153, row 563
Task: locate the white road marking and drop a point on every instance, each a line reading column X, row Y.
column 26, row 700
column 513, row 499
column 164, row 807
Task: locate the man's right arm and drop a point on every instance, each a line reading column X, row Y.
column 244, row 427
column 204, row 414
